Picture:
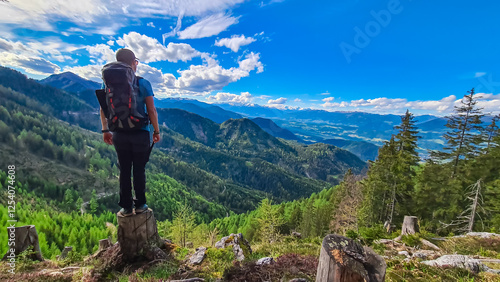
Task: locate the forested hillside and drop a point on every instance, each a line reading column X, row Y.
column 455, row 191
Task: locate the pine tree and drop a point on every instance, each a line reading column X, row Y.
column 492, row 131
column 269, row 220
column 79, row 203
column 378, row 186
column 437, row 197
column 346, row 200
column 93, row 202
column 390, row 183
column 183, row 224
column 464, row 137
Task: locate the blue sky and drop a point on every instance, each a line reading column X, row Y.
column 344, row 55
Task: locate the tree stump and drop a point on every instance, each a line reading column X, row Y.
column 342, row 259
column 138, row 236
column 104, row 244
column 65, row 252
column 25, row 237
column 410, row 225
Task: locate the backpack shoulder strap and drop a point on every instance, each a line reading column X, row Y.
column 138, row 78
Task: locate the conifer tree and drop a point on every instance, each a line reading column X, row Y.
column 492, row 131
column 463, row 138
column 183, row 224
column 346, row 200
column 390, row 183
column 93, row 202
column 269, row 220
column 79, row 203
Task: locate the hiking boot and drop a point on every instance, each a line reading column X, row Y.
column 141, row 209
column 126, row 212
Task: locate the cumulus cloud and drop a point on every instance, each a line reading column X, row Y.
column 222, row 97
column 280, row 100
column 297, row 100
column 235, row 42
column 102, row 53
column 196, row 80
column 208, row 26
column 151, row 24
column 211, row 76
column 35, row 57
column 33, row 65
column 329, row 99
column 489, row 102
column 149, row 49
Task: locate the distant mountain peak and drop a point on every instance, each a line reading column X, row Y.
column 70, row 82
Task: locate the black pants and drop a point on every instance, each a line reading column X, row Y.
column 132, row 149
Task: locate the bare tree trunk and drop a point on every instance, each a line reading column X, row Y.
column 474, row 206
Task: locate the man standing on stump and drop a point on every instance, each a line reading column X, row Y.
column 127, row 111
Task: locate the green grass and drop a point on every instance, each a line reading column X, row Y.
column 472, row 246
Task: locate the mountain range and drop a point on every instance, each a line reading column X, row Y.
column 233, row 164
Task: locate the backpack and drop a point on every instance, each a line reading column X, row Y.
column 122, row 93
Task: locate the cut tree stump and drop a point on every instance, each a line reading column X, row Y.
column 138, row 236
column 104, row 244
column 25, row 237
column 343, row 260
column 65, row 252
column 410, row 225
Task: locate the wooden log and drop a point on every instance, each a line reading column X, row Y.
column 342, row 259
column 25, row 237
column 410, row 225
column 138, row 235
column 104, row 244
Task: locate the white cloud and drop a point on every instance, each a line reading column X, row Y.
column 110, row 42
column 208, row 26
column 149, row 49
column 211, row 76
column 33, row 65
column 297, row 100
column 280, row 100
column 35, row 57
column 479, row 74
column 251, row 62
column 196, row 80
column 222, row 97
column 43, row 15
column 91, row 72
column 151, row 24
column 329, row 99
column 175, row 29
column 235, row 42
column 102, row 53
column 263, row 97
column 489, row 102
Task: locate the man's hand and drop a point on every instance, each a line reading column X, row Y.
column 156, row 138
column 108, row 138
